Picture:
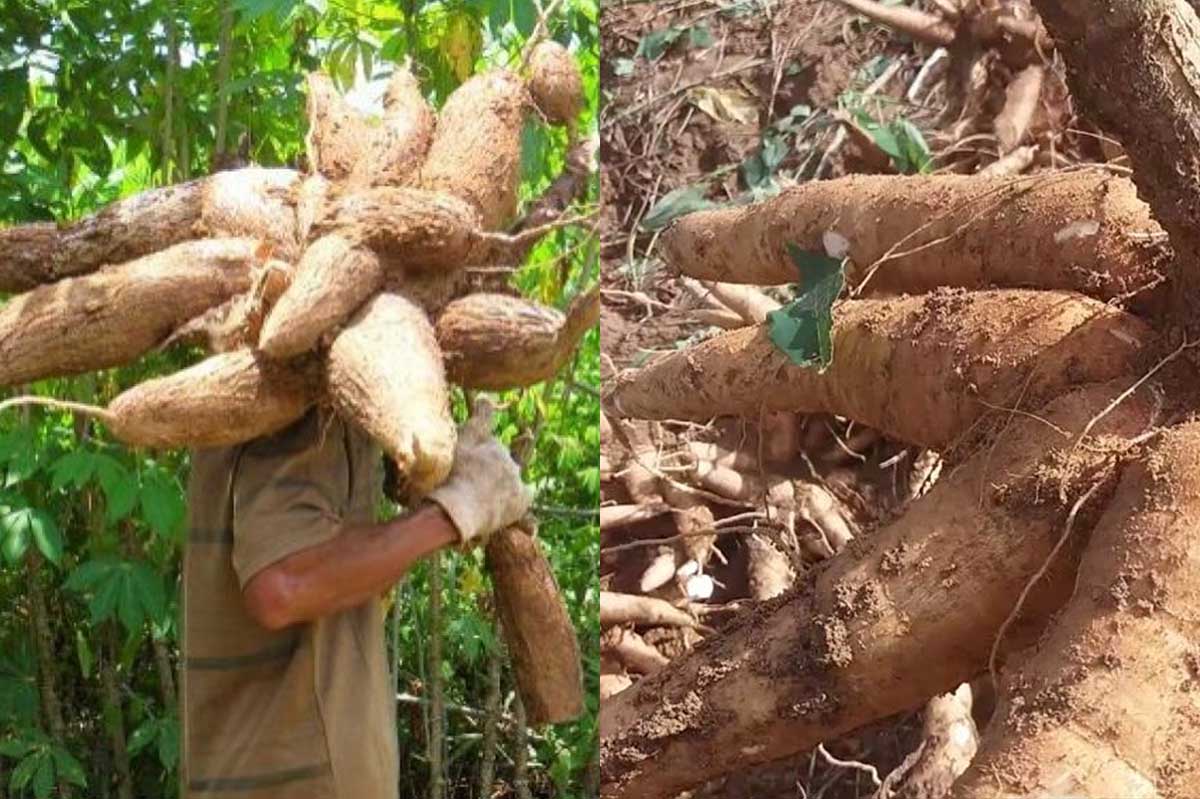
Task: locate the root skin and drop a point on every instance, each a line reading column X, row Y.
column 226, row 399
column 252, row 203
column 332, row 281
column 910, row 614
column 385, row 373
column 112, row 317
column 476, row 149
column 1106, row 706
column 555, row 83
column 537, row 628
column 400, row 144
column 1085, row 231
column 413, row 229
column 496, row 342
column 921, row 369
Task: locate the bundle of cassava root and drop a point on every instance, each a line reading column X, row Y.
column 349, row 287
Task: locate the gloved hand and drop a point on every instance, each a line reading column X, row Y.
column 484, row 492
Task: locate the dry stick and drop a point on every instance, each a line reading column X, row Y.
column 1012, row 616
column 919, row 25
column 437, row 720
column 491, row 718
column 646, row 542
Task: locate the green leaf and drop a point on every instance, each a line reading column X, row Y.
column 675, row 204
column 147, row 588
column 69, row 768
column 700, row 36
column 143, row 736
column 23, row 773
column 46, row 535
column 14, row 88
column 43, row 778
column 83, row 651
column 73, row 469
column 15, row 528
column 802, row 329
column 119, row 486
column 912, row 143
column 162, row 503
column 168, row 743
column 655, row 43
column 14, row 748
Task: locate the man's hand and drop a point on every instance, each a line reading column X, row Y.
column 484, row 492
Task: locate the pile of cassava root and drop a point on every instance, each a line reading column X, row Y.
column 348, row 287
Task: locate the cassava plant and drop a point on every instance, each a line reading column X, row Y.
column 1038, row 332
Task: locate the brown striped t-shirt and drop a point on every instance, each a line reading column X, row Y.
column 307, row 712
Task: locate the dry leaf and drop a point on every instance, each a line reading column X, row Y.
column 725, row 105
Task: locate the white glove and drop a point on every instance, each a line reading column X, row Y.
column 484, row 492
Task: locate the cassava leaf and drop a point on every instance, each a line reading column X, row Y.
column 655, row 43
column 676, row 204
column 802, row 329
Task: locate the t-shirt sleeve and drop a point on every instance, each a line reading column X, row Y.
column 290, row 492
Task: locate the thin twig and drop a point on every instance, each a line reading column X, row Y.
column 867, row 768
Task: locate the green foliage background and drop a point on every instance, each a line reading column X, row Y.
column 101, row 99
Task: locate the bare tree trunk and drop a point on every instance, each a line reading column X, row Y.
column 491, row 719
column 169, row 83
column 224, row 63
column 166, row 674
column 114, row 716
column 520, row 750
column 43, row 641
column 437, row 710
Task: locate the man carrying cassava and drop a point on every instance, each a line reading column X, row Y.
column 286, row 688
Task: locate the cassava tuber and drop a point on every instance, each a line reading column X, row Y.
column 384, row 372
column 119, row 313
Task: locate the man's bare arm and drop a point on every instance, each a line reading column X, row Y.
column 359, row 563
column 483, row 494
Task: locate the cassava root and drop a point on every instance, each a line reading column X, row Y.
column 1084, row 230
column 946, row 359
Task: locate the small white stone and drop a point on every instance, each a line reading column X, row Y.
column 1078, row 229
column 699, row 587
column 836, row 245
